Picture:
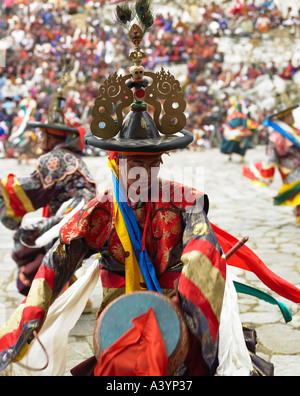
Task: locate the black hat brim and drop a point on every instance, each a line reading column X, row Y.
column 57, row 127
column 164, row 143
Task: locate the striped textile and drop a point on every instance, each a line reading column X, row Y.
column 201, row 285
column 289, row 194
column 16, row 201
column 260, row 171
column 30, row 315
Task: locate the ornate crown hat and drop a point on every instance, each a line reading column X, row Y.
column 56, row 123
column 139, row 132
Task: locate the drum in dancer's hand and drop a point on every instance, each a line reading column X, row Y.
column 115, row 320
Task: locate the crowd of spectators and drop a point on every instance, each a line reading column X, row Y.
column 38, row 36
column 246, row 18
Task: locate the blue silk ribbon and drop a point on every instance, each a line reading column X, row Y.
column 143, row 259
column 277, row 128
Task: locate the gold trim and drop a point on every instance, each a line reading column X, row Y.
column 13, row 322
column 199, row 269
column 166, row 88
column 40, row 291
column 113, row 90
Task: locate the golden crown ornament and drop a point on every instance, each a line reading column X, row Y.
column 136, row 91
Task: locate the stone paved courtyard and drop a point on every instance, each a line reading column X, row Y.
column 236, row 206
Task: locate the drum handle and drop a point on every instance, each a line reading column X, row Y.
column 46, row 354
column 236, row 247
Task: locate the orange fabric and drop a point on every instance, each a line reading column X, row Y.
column 46, row 211
column 114, row 154
column 55, row 132
column 82, row 133
column 131, row 153
column 140, row 351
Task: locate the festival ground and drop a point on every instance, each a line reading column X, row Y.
column 236, row 206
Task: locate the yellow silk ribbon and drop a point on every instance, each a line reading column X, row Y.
column 134, row 280
column 295, row 201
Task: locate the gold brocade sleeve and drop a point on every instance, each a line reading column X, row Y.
column 64, row 260
column 56, row 270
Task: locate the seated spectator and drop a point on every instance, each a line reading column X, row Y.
column 263, row 23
